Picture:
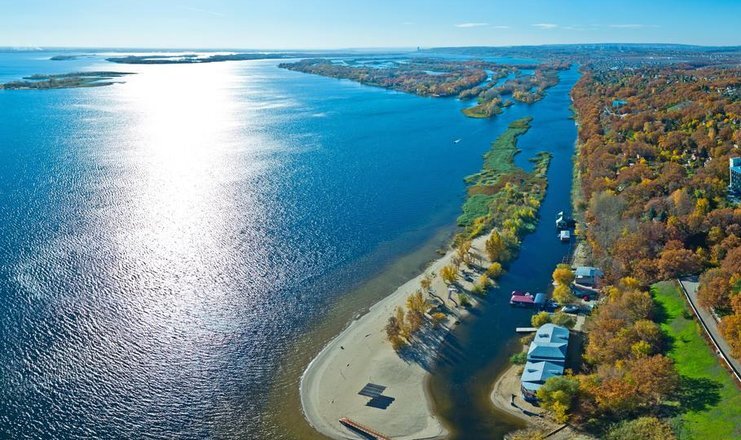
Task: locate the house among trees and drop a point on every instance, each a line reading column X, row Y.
column 588, row 276
column 545, row 358
column 734, row 166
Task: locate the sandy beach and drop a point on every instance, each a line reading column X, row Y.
column 361, row 354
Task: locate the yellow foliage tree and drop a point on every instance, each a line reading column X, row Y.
column 449, row 273
column 563, row 274
column 540, row 318
column 494, row 270
column 562, row 293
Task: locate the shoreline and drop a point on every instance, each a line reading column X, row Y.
column 361, row 354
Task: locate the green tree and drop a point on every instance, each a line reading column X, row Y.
column 557, row 395
column 643, row 428
column 540, row 318
column 563, row 319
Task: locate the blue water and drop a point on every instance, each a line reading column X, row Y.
column 164, row 241
column 478, row 350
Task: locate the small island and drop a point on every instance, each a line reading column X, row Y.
column 192, row 58
column 67, row 57
column 64, row 81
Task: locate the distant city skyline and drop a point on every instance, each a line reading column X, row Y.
column 335, row 24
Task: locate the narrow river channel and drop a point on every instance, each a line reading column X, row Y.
column 479, row 349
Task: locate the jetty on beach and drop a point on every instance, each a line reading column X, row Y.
column 366, row 431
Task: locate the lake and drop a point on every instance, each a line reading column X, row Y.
column 167, row 241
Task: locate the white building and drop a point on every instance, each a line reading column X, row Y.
column 734, row 168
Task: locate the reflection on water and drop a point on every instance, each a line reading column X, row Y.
column 166, row 241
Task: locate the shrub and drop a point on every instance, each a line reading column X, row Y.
column 519, row 358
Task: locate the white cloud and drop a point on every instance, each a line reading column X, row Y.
column 500, row 26
column 545, row 25
column 631, row 26
column 471, row 25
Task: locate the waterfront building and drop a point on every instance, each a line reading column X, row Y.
column 588, row 276
column 546, row 357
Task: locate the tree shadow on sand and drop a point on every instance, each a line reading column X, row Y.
column 424, row 348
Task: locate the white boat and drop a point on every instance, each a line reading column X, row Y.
column 564, row 236
column 457, row 140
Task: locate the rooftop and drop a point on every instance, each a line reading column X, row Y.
column 550, row 342
column 587, row 271
column 541, row 371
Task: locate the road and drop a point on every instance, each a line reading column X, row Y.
column 711, row 326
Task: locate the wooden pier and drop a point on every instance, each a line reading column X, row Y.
column 363, row 429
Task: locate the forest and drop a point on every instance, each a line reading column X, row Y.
column 466, row 80
column 655, row 145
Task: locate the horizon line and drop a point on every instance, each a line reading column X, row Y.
column 357, row 48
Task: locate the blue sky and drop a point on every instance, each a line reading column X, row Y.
column 308, row 24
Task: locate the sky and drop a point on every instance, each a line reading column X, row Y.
column 334, row 24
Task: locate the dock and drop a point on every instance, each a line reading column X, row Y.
column 526, row 329
column 366, row 431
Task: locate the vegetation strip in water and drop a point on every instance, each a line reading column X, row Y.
column 64, row 81
column 502, row 193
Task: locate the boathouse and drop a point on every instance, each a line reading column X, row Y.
column 546, row 357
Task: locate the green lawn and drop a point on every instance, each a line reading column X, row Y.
column 710, row 406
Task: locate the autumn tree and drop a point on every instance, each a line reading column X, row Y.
column 563, row 294
column 557, row 395
column 540, row 318
column 677, row 262
column 494, row 270
column 654, row 378
column 563, row 274
column 528, row 434
column 417, row 303
column 462, row 250
column 730, row 326
column 449, row 274
column 496, row 248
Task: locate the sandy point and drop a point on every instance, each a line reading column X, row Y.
column 361, row 355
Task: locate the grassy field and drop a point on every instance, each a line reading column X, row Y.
column 710, row 405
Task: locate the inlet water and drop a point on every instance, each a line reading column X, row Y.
column 478, row 350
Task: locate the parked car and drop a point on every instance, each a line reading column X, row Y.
column 570, row 308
